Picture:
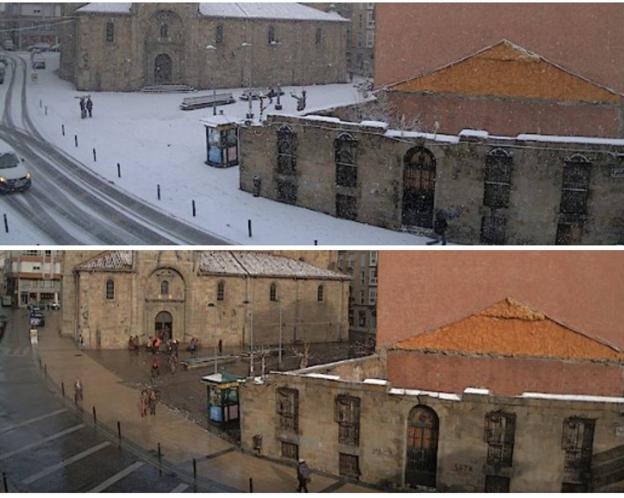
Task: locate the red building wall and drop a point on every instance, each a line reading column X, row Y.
column 413, row 38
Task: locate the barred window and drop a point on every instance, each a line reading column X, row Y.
column 575, row 187
column 345, row 155
column 164, row 30
column 318, row 37
column 164, row 287
column 498, row 169
column 286, row 191
column 288, row 409
column 221, row 291
column 493, row 229
column 273, row 292
column 320, row 294
column 271, row 36
column 348, row 465
column 290, row 451
column 110, row 289
column 500, row 431
column 110, row 32
column 346, row 207
column 286, row 150
column 348, row 419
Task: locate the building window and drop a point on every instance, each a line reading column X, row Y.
column 288, row 409
column 164, row 30
column 351, row 317
column 286, row 151
column 273, row 292
column 349, row 465
column 362, row 318
column 372, row 258
column 271, row 36
column 493, row 229
column 221, row 291
column 110, row 32
column 372, row 296
column 575, row 187
column 577, row 442
column 286, row 191
column 320, row 294
column 498, row 168
column 48, row 253
column 110, row 289
column 346, row 207
column 500, row 430
column 164, row 288
column 345, row 154
column 219, row 34
column 318, row 37
column 290, row 451
column 363, row 276
column 36, row 268
column 361, row 297
column 372, row 276
column 348, row 418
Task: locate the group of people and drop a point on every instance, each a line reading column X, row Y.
column 86, row 107
column 134, row 344
column 148, row 401
column 193, row 346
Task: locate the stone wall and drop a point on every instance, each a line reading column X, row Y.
column 536, row 186
column 538, row 458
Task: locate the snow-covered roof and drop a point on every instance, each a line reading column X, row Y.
column 573, row 397
column 219, row 120
column 106, row 8
column 287, row 11
column 259, row 264
column 108, row 261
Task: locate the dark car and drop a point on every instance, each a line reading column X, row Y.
column 37, row 319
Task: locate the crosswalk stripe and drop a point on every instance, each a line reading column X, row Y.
column 64, row 463
column 75, row 428
column 117, row 477
column 31, row 421
column 180, row 488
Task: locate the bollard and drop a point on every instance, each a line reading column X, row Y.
column 40, row 103
column 6, row 223
column 119, row 431
column 5, row 482
column 63, row 388
column 249, row 227
column 63, row 129
column 94, row 416
column 315, row 242
column 194, row 211
column 76, row 140
column 159, row 460
column 94, row 156
column 46, row 110
column 158, row 191
column 251, row 485
column 118, row 170
column 194, row 469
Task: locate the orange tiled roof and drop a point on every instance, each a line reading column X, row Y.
column 507, row 70
column 511, row 328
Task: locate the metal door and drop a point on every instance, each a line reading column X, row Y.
column 422, row 447
column 419, row 176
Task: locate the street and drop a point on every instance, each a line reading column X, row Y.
column 70, row 203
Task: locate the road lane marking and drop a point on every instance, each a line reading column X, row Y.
column 117, row 477
column 180, row 488
column 75, row 428
column 31, row 421
column 64, row 463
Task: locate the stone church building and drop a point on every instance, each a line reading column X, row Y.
column 127, row 46
column 239, row 298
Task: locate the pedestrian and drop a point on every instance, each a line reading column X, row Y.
column 143, row 401
column 78, row 393
column 439, row 229
column 83, row 108
column 153, row 399
column 220, row 346
column 90, row 106
column 81, row 342
column 303, row 476
column 155, row 367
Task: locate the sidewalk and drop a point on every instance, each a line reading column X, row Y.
column 180, row 439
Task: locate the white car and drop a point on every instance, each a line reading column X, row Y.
column 13, row 175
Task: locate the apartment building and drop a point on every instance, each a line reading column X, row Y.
column 33, row 277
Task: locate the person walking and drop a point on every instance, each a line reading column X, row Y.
column 90, row 106
column 143, row 402
column 155, row 367
column 440, row 225
column 303, row 476
column 153, row 399
column 78, row 392
column 83, row 108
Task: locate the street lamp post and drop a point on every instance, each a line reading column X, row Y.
column 251, row 352
column 216, row 370
column 214, row 90
column 279, row 303
column 249, row 96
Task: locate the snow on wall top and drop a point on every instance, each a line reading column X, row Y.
column 109, row 261
column 107, row 8
column 259, row 264
column 282, row 11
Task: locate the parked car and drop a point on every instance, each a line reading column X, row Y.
column 54, row 306
column 38, row 61
column 13, row 175
column 8, row 45
column 37, row 319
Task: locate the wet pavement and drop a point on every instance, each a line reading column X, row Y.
column 45, row 443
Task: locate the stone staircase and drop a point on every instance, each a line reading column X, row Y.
column 167, row 89
column 608, row 468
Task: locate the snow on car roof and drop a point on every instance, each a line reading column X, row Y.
column 287, row 11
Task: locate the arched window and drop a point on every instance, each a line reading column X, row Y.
column 286, row 150
column 345, row 154
column 422, row 447
column 219, row 34
column 498, row 168
column 164, row 30
column 221, row 291
column 110, row 289
column 272, row 39
column 164, row 288
column 110, row 32
column 273, row 292
column 320, row 294
column 318, row 37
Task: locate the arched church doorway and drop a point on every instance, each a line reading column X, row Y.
column 163, row 69
column 163, row 325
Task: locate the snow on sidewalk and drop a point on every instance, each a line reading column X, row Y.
column 158, row 144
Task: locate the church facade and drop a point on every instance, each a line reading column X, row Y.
column 127, row 46
column 238, row 298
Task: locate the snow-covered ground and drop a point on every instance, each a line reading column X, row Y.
column 158, row 144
